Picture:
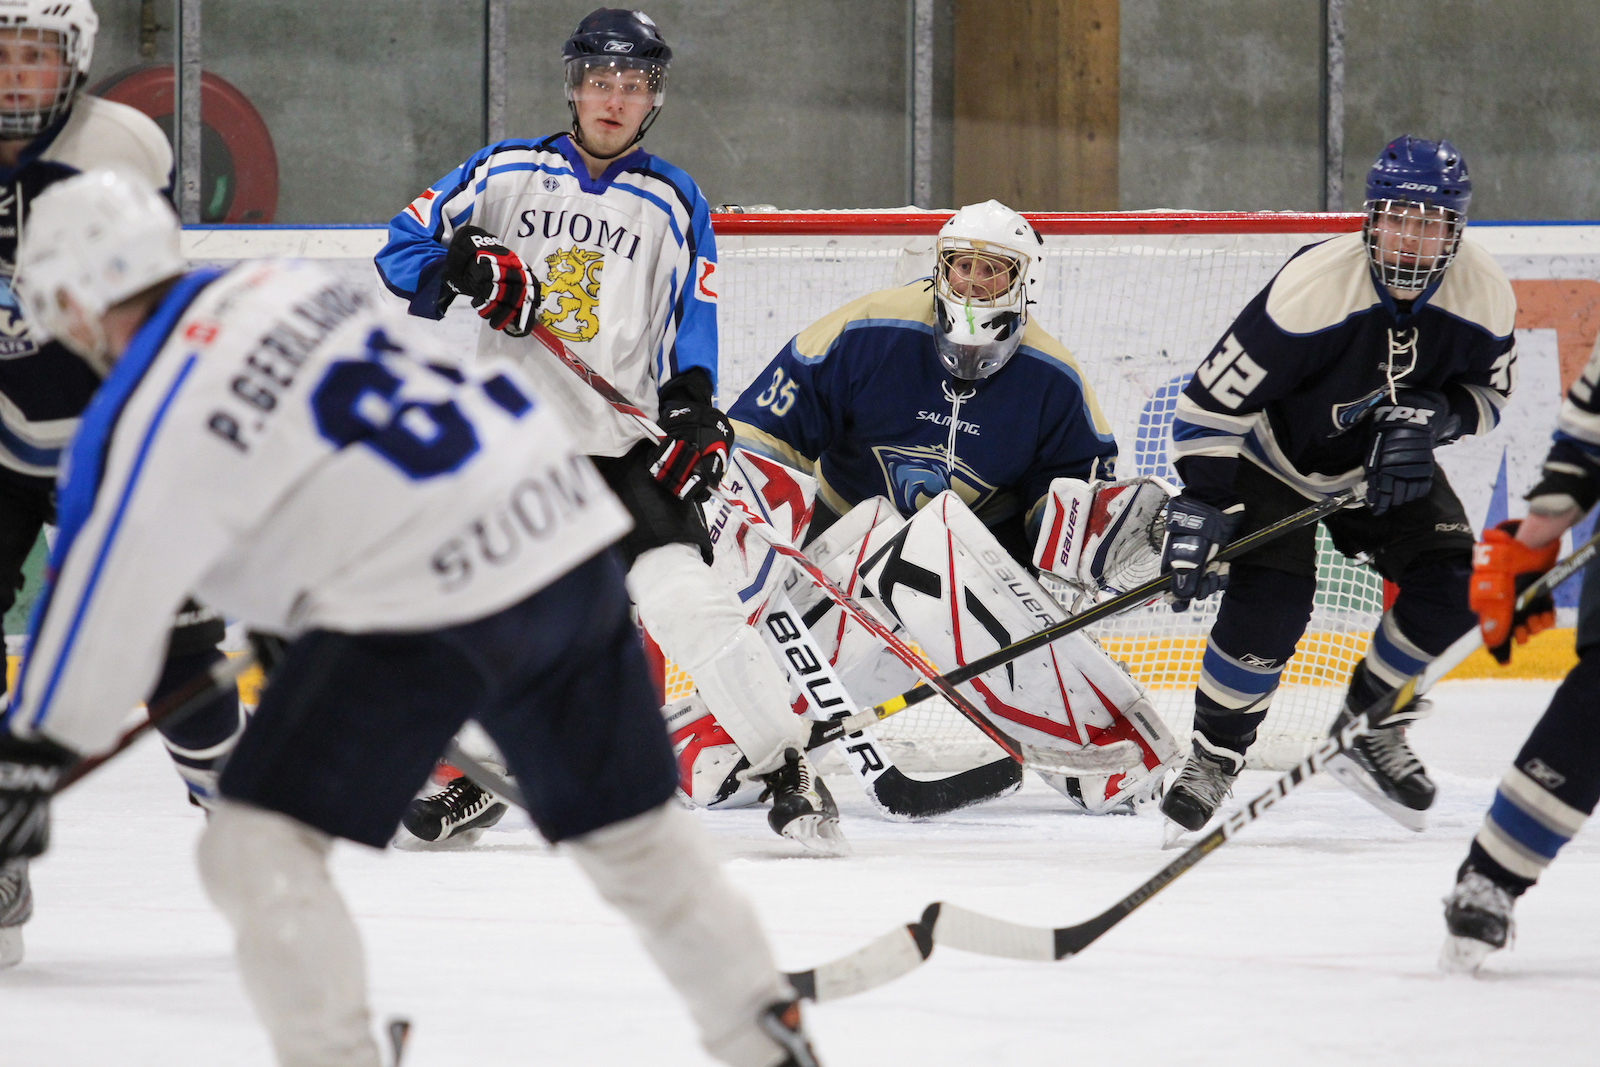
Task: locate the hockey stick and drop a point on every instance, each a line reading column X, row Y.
column 1020, row 751
column 173, row 708
column 905, row 948
column 1133, row 598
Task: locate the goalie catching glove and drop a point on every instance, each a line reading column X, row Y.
column 500, row 285
column 1502, row 567
column 1196, row 532
column 693, row 455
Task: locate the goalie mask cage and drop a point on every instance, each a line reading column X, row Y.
column 1139, row 299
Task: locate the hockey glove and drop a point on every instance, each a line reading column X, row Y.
column 29, row 771
column 1399, row 459
column 1195, row 533
column 500, row 285
column 1502, row 567
column 692, row 457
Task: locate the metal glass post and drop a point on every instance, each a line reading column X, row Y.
column 186, row 111
column 1333, row 105
column 494, row 70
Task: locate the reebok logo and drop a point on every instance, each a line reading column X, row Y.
column 619, row 46
column 1250, row 659
column 1544, row 774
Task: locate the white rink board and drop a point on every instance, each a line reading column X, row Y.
column 1310, row 939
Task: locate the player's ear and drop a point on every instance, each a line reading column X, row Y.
column 82, row 331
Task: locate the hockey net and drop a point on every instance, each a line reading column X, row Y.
column 1138, row 299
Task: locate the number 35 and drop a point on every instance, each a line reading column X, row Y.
column 780, row 395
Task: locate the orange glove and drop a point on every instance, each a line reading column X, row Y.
column 1502, row 567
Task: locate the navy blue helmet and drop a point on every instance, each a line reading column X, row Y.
column 614, row 39
column 1418, row 192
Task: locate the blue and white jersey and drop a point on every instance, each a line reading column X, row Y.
column 44, row 387
column 1291, row 385
column 1575, row 446
column 626, row 263
column 861, row 401
column 273, row 445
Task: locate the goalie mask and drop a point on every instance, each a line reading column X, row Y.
column 614, row 50
column 988, row 263
column 1418, row 192
column 45, row 48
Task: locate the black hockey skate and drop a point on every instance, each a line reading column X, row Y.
column 16, row 908
column 802, row 808
column 782, row 1023
column 1381, row 768
column 1205, row 781
column 1477, row 916
column 457, row 815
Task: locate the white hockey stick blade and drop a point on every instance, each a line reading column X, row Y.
column 1119, row 757
column 1353, row 777
column 1462, row 955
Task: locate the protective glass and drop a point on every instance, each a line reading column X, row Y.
column 37, row 78
column 1411, row 244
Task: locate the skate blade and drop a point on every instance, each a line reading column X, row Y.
column 1463, row 955
column 1350, row 775
column 818, row 835
column 10, row 946
column 1173, row 835
column 406, row 841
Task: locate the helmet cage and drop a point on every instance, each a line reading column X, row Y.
column 981, row 303
column 1423, row 239
column 26, row 118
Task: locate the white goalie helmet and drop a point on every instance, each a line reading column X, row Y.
column 89, row 242
column 45, row 46
column 988, row 263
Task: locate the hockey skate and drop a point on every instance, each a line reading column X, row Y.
column 454, row 817
column 1381, row 769
column 1477, row 916
column 802, row 808
column 16, row 908
column 782, row 1023
column 1202, row 785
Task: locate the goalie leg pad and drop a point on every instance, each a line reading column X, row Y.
column 711, row 770
column 697, row 623
column 660, row 871
column 298, row 950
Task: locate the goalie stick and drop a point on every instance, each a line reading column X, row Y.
column 1030, row 755
column 906, row 948
column 1133, row 598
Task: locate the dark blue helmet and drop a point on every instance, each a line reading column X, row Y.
column 616, row 39
column 1422, row 172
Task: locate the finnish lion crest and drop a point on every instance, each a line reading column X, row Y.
column 572, row 293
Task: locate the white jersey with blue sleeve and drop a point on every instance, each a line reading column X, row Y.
column 271, row 444
column 625, row 263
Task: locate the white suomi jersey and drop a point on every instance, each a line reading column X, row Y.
column 626, row 263
column 270, row 443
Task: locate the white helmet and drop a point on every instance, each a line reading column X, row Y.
column 98, row 238
column 988, row 264
column 67, row 25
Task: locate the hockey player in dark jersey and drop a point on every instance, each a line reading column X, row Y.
column 48, row 132
column 1358, row 359
column 1554, row 782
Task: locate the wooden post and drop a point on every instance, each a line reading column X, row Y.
column 1036, row 104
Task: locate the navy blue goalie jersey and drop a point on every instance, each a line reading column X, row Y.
column 860, row 400
column 1292, row 384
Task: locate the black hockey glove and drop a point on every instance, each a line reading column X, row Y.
column 29, row 771
column 1195, row 533
column 501, row 286
column 1400, row 455
column 691, row 459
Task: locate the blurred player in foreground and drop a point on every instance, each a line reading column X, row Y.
column 263, row 437
column 612, row 249
column 49, row 132
column 1363, row 354
column 1554, row 782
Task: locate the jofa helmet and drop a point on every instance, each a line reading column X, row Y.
column 988, row 264
column 1417, row 197
column 616, row 39
column 44, row 86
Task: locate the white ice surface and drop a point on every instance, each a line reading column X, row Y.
column 1310, row 939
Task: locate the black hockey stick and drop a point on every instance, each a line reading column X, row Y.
column 905, row 948
column 1133, row 598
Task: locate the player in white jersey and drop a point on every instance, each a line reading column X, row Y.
column 266, row 438
column 49, row 132
column 612, row 249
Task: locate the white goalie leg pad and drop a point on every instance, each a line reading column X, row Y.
column 710, row 766
column 298, row 950
column 784, row 497
column 660, row 871
column 1102, row 536
column 961, row 596
column 699, row 625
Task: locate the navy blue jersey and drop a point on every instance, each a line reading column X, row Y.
column 1291, row 385
column 860, row 400
column 44, row 387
